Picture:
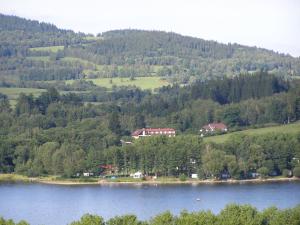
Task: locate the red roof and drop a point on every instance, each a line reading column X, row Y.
column 215, row 126
column 148, row 130
column 107, row 166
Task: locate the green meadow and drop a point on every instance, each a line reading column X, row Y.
column 47, row 49
column 38, row 58
column 289, row 128
column 141, row 82
column 13, row 93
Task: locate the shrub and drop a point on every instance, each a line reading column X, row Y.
column 286, row 173
column 296, row 171
column 263, row 171
column 182, row 177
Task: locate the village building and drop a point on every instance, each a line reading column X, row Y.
column 213, row 127
column 146, row 132
column 88, row 174
column 194, row 176
column 137, row 175
column 108, row 169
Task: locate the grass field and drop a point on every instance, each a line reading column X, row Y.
column 290, row 128
column 38, row 58
column 47, row 49
column 93, row 38
column 13, row 93
column 141, row 82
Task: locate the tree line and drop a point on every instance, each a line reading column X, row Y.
column 232, row 214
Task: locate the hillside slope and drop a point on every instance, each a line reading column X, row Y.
column 30, row 50
column 289, row 128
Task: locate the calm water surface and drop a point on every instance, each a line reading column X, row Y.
column 59, row 205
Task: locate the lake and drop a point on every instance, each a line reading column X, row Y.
column 59, row 205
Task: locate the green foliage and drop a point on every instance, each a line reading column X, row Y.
column 296, row 171
column 182, row 177
column 124, row 220
column 286, row 173
column 88, row 219
column 213, row 162
column 263, row 171
column 163, row 219
column 242, row 215
column 231, row 215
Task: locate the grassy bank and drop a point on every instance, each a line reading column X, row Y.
column 288, row 128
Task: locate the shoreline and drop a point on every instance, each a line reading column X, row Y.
column 49, row 180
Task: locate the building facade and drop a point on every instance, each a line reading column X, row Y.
column 146, row 132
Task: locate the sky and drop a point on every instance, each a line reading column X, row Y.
column 271, row 24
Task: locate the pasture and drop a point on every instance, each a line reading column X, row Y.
column 47, row 49
column 287, row 128
column 141, row 82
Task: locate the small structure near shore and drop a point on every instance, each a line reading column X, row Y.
column 137, row 175
column 194, row 176
column 88, row 174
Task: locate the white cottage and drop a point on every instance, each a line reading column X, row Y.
column 137, row 175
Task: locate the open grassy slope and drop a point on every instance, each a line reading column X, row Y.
column 290, row 128
column 48, row 49
column 141, row 82
column 13, row 93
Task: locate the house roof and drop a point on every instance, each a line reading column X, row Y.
column 109, row 166
column 139, row 131
column 215, row 126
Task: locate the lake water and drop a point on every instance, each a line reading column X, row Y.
column 59, row 205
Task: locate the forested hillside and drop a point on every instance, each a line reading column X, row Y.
column 30, row 50
column 67, row 124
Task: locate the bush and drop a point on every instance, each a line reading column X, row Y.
column 182, row 177
column 296, row 171
column 88, row 219
column 286, row 173
column 263, row 171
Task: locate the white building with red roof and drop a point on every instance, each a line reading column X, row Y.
column 213, row 127
column 146, row 132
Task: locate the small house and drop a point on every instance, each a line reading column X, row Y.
column 108, row 169
column 213, row 127
column 194, row 176
column 88, row 174
column 137, row 175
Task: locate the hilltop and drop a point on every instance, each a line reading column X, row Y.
column 37, row 51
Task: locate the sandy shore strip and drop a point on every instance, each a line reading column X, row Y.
column 46, row 180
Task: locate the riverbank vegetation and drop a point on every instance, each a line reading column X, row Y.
column 231, row 215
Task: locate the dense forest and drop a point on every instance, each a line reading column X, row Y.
column 230, row 215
